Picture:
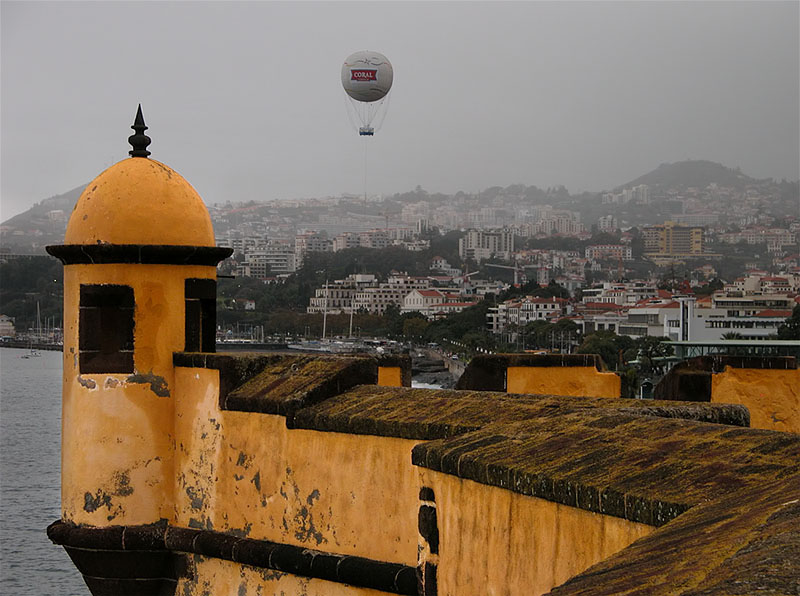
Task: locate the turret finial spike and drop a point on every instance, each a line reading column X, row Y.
column 139, row 141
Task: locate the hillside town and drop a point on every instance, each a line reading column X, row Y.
column 690, row 252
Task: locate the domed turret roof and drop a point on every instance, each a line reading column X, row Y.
column 140, row 201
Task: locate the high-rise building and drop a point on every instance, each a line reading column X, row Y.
column 607, row 223
column 486, row 244
column 671, row 239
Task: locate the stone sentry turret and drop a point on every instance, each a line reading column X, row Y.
column 139, row 284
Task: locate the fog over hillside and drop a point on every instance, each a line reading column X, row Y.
column 45, row 222
column 245, row 99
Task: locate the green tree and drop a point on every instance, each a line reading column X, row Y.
column 566, row 326
column 608, row 345
column 536, row 334
column 28, row 281
column 711, row 287
column 414, row 327
column 456, row 325
column 476, row 339
column 394, row 322
column 791, row 328
column 646, row 350
column 732, row 335
column 551, row 290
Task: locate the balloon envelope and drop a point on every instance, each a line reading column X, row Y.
column 367, row 76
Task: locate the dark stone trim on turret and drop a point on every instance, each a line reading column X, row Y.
column 119, row 560
column 123, row 552
column 141, row 254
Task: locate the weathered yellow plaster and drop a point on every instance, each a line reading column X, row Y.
column 140, row 201
column 215, row 576
column 117, row 433
column 772, row 396
column 579, row 381
column 247, row 474
column 390, row 376
column 494, row 541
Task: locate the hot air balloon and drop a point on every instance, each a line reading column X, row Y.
column 367, row 78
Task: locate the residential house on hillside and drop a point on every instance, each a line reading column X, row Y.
column 518, row 312
column 339, row 295
column 7, row 326
column 422, row 301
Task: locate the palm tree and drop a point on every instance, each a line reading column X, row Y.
column 732, row 335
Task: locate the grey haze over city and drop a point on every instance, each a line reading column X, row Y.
column 245, row 100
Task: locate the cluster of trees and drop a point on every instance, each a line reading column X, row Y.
column 618, row 350
column 28, row 281
column 791, row 328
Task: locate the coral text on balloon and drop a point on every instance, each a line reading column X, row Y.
column 363, row 75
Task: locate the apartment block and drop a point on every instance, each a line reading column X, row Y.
column 487, row 244
column 671, row 239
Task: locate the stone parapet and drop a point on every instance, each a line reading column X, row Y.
column 769, row 387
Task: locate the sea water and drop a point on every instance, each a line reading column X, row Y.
column 30, row 477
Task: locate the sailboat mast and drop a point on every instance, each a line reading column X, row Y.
column 325, row 311
column 352, row 300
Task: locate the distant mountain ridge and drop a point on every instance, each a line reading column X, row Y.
column 64, row 202
column 40, row 226
column 692, row 173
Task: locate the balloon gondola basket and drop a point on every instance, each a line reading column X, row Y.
column 366, row 131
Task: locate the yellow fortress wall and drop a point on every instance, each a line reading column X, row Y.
column 214, row 576
column 248, row 474
column 771, row 396
column 517, row 498
column 575, row 381
column 555, row 374
column 769, row 387
column 495, row 541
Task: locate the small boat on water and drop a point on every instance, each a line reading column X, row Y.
column 33, row 353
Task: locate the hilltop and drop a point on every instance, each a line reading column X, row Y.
column 692, row 174
column 64, row 202
column 42, row 224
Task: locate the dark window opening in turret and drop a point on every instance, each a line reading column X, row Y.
column 201, row 315
column 105, row 330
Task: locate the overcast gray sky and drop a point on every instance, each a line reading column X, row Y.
column 245, row 100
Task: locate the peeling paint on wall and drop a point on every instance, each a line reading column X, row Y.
column 197, row 499
column 158, row 384
column 88, row 383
